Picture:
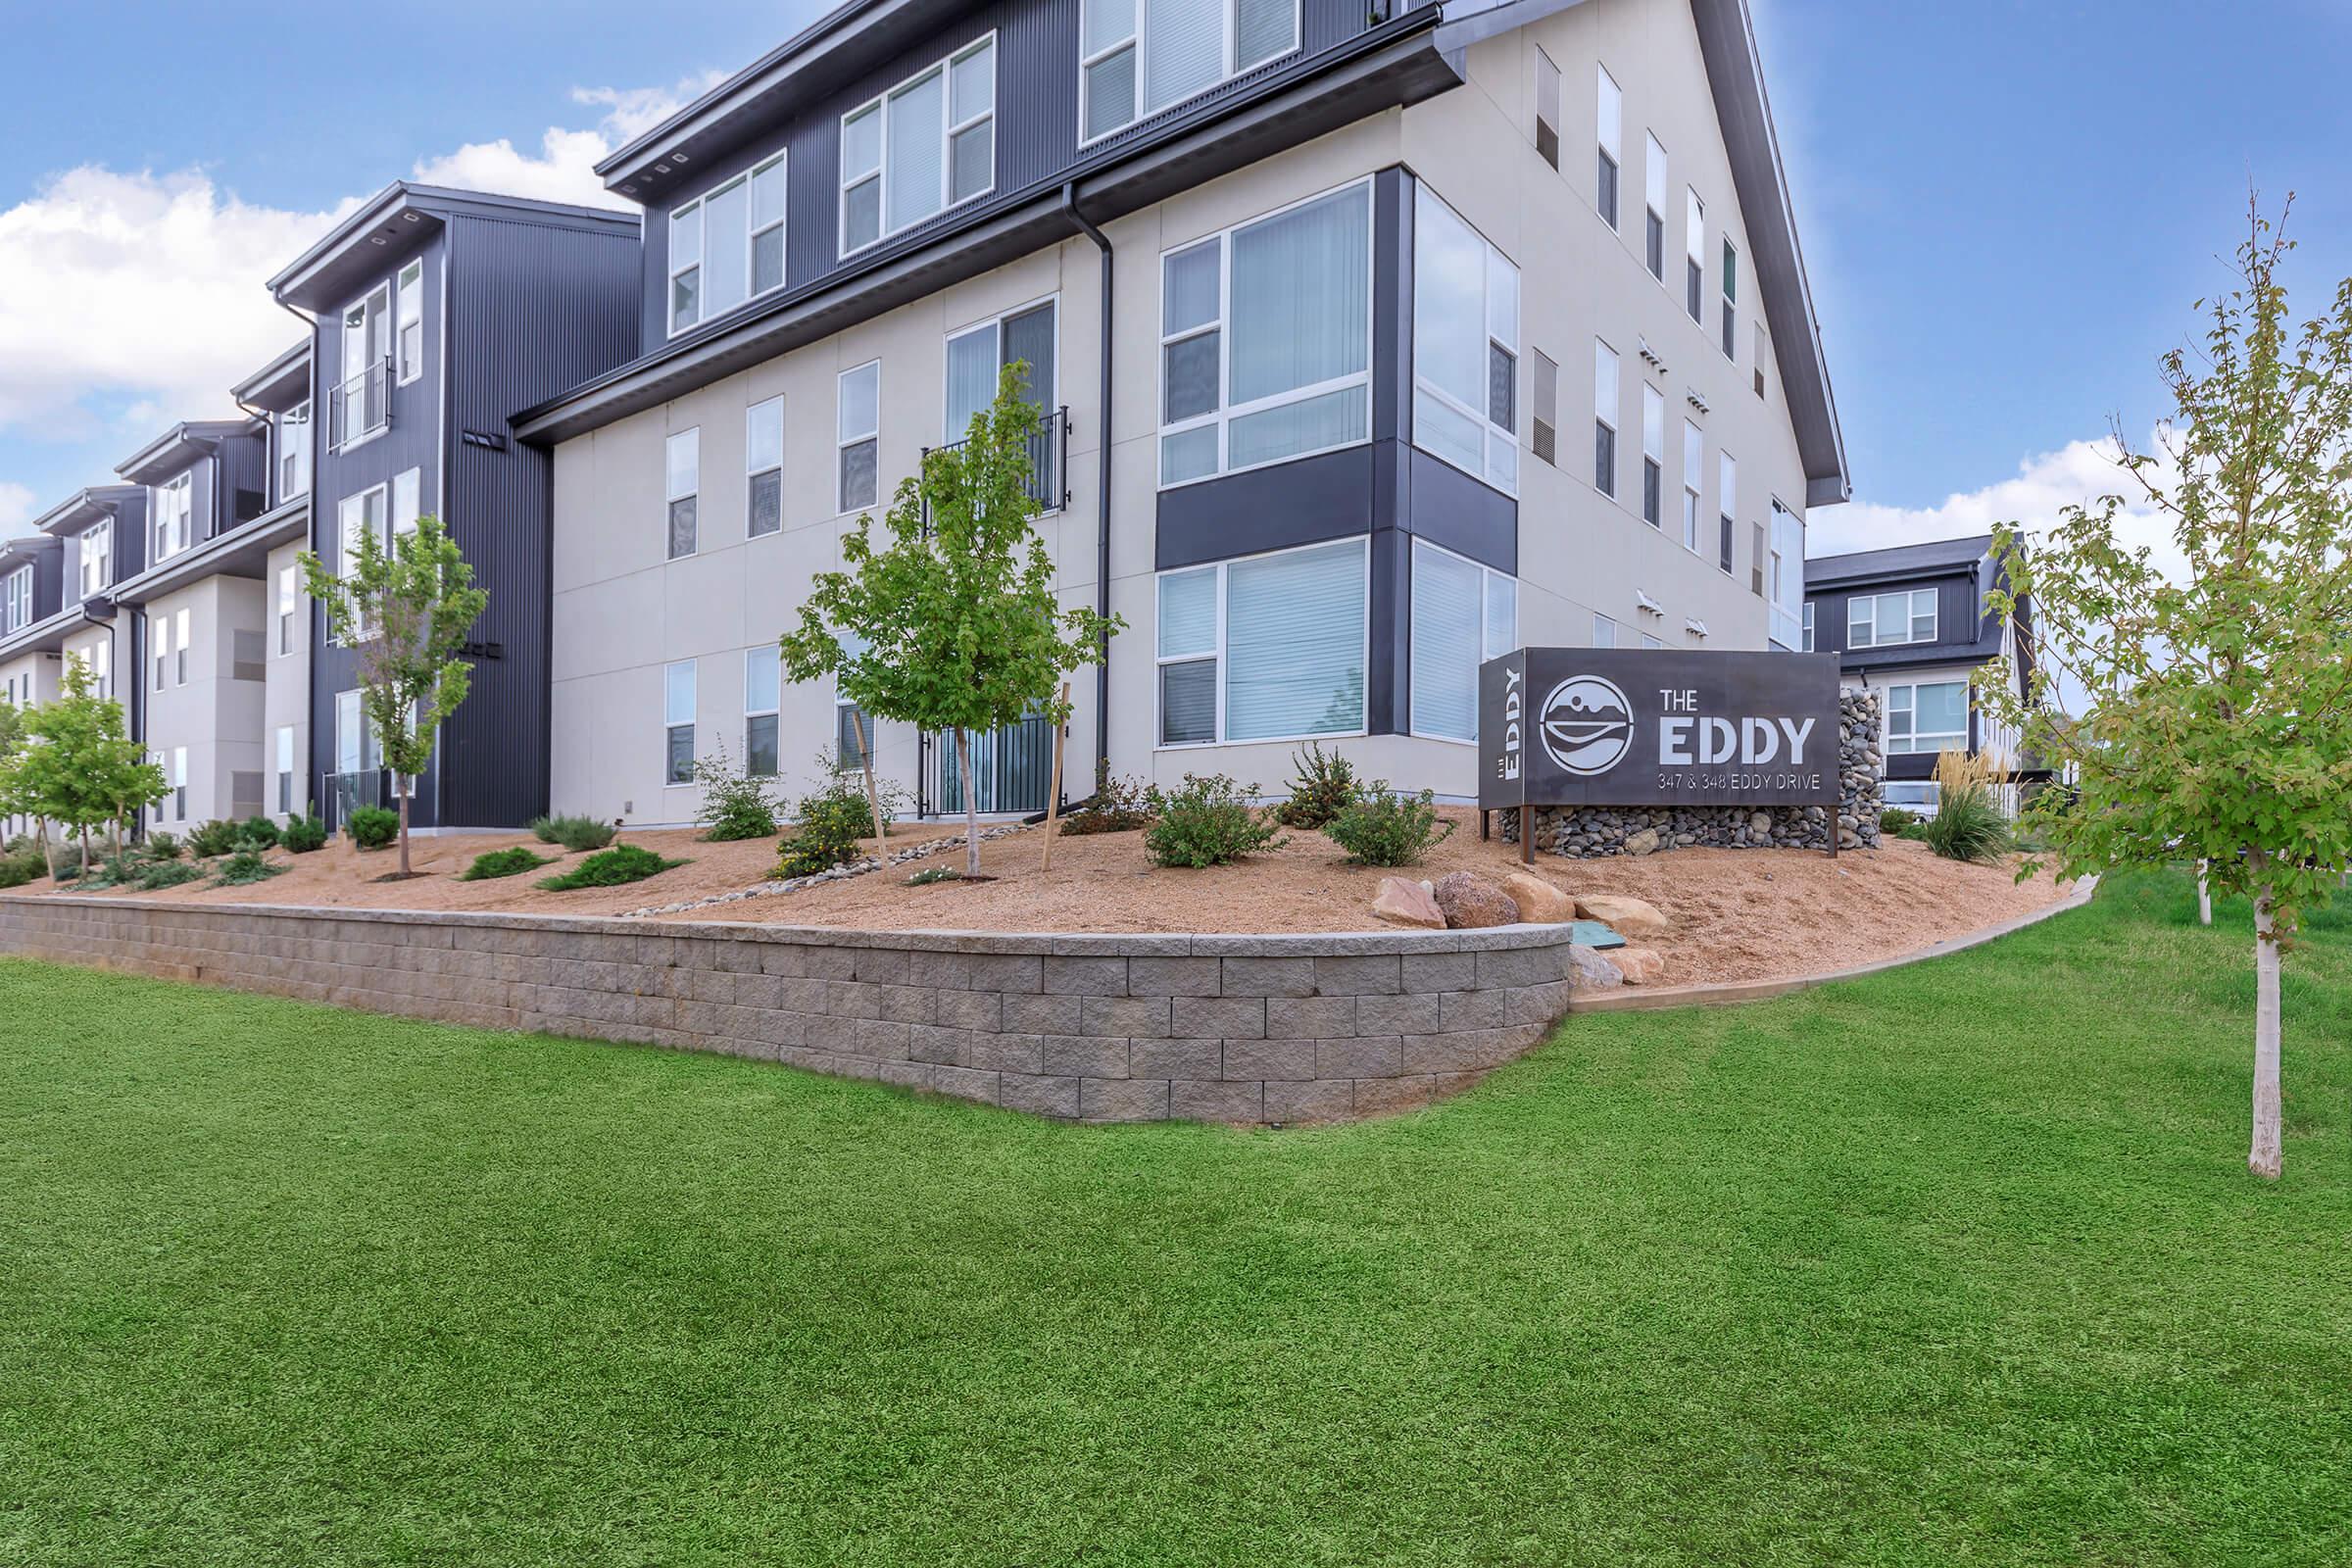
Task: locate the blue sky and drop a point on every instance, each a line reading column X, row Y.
column 2006, row 207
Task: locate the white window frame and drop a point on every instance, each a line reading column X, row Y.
column 1727, row 511
column 183, row 628
column 408, row 312
column 346, row 557
column 290, row 600
column 1855, row 642
column 1807, row 617
column 1728, row 337
column 1909, row 745
column 174, row 504
column 283, row 754
column 294, row 444
column 179, row 783
column 1653, row 454
column 18, row 612
column 844, row 439
column 698, row 206
column 1694, row 256
column 1609, row 409
column 671, row 725
column 1604, row 632
column 671, row 495
column 879, row 105
column 370, row 312
column 1509, row 485
column 1653, row 205
column 1139, row 40
column 1490, row 582
column 1159, row 659
column 1224, row 414
column 765, row 408
column 94, row 559
column 99, row 661
column 773, row 711
column 163, row 652
column 1608, row 137
column 994, row 325
column 1694, row 472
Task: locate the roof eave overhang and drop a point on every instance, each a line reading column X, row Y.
column 83, row 507
column 176, row 449
column 242, row 551
column 49, row 636
column 282, row 381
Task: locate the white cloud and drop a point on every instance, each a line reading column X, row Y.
column 15, row 508
column 564, row 169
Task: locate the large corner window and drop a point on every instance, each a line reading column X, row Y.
column 1653, row 197
column 1609, row 134
column 94, row 559
column 763, row 467
column 175, row 507
column 1139, row 57
column 857, row 428
column 726, row 246
column 761, row 685
column 1786, row 585
column 922, row 147
column 1886, row 621
column 408, row 304
column 1463, row 614
column 1266, row 339
column 294, row 451
column 1465, row 346
column 1927, row 718
column 1270, row 648
column 678, row 721
column 683, row 490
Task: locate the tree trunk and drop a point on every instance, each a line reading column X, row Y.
column 402, row 791
column 2265, row 1158
column 85, row 848
column 873, row 804
column 971, row 803
column 2204, row 896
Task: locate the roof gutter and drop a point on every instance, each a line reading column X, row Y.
column 1069, row 206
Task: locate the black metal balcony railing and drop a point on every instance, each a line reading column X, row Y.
column 359, row 407
column 1013, row 771
column 1048, row 485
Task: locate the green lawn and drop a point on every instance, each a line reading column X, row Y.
column 1956, row 1264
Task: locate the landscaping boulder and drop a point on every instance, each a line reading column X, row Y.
column 1641, row 967
column 1589, row 971
column 1621, row 912
column 1471, row 903
column 1540, row 903
column 1403, row 903
column 1642, row 843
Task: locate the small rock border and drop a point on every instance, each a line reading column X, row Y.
column 839, row 873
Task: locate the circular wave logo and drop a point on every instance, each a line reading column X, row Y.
column 1586, row 724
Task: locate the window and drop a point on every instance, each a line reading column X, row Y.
column 1884, row 620
column 764, row 466
column 852, row 730
column 94, row 559
column 1786, row 583
column 1465, row 346
column 1604, row 632
column 1545, row 436
column 1138, row 56
column 286, row 769
column 175, row 507
column 761, row 681
column 1654, row 455
column 406, row 503
column 684, row 459
column 859, row 432
column 356, row 748
column 1755, row 558
column 289, row 605
column 16, row 609
column 1695, row 250
column 1647, row 641
column 1695, row 459
column 99, row 661
column 1266, row 339
column 182, row 633
column 977, row 356
column 294, row 451
column 408, row 304
column 678, row 716
column 163, row 652
column 1925, row 793
column 1266, row 648
column 1731, row 302
column 1608, row 132
column 1808, row 627
column 359, row 407
column 180, row 782
column 726, row 246
column 1604, row 418
column 357, row 518
column 920, row 148
column 1727, row 505
column 1929, row 716
column 1463, row 614
column 1762, row 358
column 1653, row 196
column 1547, row 109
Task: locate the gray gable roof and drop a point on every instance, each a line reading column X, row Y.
column 1898, row 560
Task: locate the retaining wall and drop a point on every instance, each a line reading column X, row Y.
column 1102, row 1028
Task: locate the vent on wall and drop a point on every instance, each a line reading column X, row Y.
column 246, row 657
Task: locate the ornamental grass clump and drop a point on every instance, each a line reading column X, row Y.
column 504, row 862
column 574, row 833
column 1208, row 820
column 617, row 867
column 1381, row 827
column 1968, row 825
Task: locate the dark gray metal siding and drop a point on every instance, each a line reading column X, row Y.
column 242, row 476
column 1964, row 631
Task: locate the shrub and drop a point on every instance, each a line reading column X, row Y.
column 1207, row 821
column 22, row 863
column 1381, row 829
column 303, row 834
column 244, row 866
column 504, row 862
column 207, row 840
column 257, row 831
column 1325, row 786
column 1916, row 832
column 1119, row 807
column 1894, row 819
column 1968, row 824
column 163, row 846
column 735, row 805
column 574, row 833
column 934, row 873
column 374, row 827
column 611, row 868
column 831, row 822
column 157, row 875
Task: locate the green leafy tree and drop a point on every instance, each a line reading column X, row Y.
column 404, row 612
column 958, row 627
column 12, row 747
column 79, row 768
column 2218, row 716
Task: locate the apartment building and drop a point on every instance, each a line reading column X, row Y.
column 1370, row 343
column 1911, row 622
column 100, row 536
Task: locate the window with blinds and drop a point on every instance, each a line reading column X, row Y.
column 1266, row 648
column 1544, row 433
column 1465, row 345
column 763, row 467
column 1654, row 455
column 1608, row 133
column 1654, row 195
column 1463, row 614
column 1604, row 418
column 924, row 146
column 1139, row 57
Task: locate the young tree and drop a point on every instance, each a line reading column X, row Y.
column 959, row 628
column 79, row 768
column 404, row 612
column 2218, row 718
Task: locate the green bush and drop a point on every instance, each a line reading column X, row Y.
column 1967, row 826
column 934, row 873
column 1207, row 821
column 163, row 846
column 207, row 840
column 257, row 831
column 1894, row 819
column 244, row 866
column 1119, row 807
column 504, row 862
column 611, row 868
column 1381, row 829
column 157, row 875
column 1325, row 786
column 22, row 863
column 372, row 827
column 830, row 824
column 303, row 834
column 574, row 833
column 734, row 806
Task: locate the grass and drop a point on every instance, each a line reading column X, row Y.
column 1957, row 1263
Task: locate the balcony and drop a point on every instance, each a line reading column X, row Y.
column 1013, row 770
column 361, row 406
column 1049, row 485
